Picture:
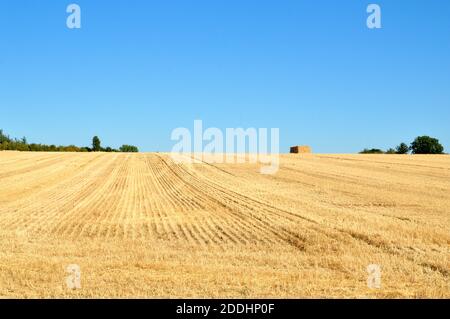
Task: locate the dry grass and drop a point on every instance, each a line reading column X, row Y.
column 140, row 225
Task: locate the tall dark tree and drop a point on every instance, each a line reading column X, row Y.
column 402, row 149
column 426, row 145
column 96, row 144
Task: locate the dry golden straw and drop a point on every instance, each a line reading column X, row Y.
column 139, row 225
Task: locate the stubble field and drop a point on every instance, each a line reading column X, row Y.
column 140, row 225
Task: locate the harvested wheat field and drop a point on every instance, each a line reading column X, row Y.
column 140, row 225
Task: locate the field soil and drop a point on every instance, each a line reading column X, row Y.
column 141, row 225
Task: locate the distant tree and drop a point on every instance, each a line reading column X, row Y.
column 371, row 151
column 70, row 148
column 110, row 149
column 96, row 144
column 9, row 144
column 4, row 138
column 402, row 149
column 128, row 149
column 4, row 146
column 20, row 146
column 426, row 145
column 391, row 151
column 35, row 147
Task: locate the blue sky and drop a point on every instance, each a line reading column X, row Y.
column 138, row 69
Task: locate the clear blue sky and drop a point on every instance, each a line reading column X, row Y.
column 138, row 69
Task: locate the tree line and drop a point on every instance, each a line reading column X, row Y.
column 421, row 145
column 13, row 144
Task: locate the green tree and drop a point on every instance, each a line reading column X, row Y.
column 96, row 144
column 4, row 138
column 128, row 149
column 10, row 144
column 391, row 151
column 426, row 145
column 402, row 149
column 371, row 151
